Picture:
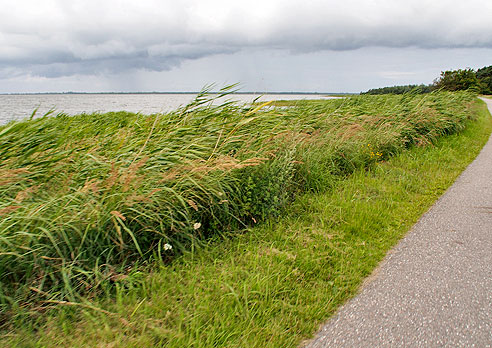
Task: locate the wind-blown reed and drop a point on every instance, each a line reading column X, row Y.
column 82, row 197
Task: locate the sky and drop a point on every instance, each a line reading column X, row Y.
column 264, row 46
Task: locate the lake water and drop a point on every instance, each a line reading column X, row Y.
column 17, row 107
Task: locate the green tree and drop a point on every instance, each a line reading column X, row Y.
column 417, row 89
column 456, row 80
column 484, row 75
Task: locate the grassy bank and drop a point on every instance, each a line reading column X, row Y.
column 221, row 168
column 272, row 285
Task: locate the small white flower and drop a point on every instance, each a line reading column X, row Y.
column 167, row 246
column 197, row 225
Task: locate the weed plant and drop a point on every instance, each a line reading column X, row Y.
column 85, row 198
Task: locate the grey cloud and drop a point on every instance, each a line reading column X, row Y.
column 60, row 38
column 113, row 65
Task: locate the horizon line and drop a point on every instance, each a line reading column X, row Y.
column 189, row 92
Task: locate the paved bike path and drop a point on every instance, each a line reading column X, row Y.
column 434, row 289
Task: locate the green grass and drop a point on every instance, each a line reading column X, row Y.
column 273, row 284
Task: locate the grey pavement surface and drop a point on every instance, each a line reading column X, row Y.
column 434, row 289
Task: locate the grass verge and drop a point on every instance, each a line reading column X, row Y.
column 272, row 285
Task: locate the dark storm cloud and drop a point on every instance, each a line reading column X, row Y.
column 57, row 38
column 57, row 64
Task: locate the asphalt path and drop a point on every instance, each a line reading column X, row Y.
column 434, row 289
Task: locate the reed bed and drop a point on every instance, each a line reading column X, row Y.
column 84, row 198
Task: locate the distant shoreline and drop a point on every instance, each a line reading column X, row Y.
column 106, row 93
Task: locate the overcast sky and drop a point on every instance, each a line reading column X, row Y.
column 268, row 45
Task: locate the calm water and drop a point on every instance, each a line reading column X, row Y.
column 17, row 107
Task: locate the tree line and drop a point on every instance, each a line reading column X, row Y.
column 479, row 81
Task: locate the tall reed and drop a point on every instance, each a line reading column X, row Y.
column 84, row 197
